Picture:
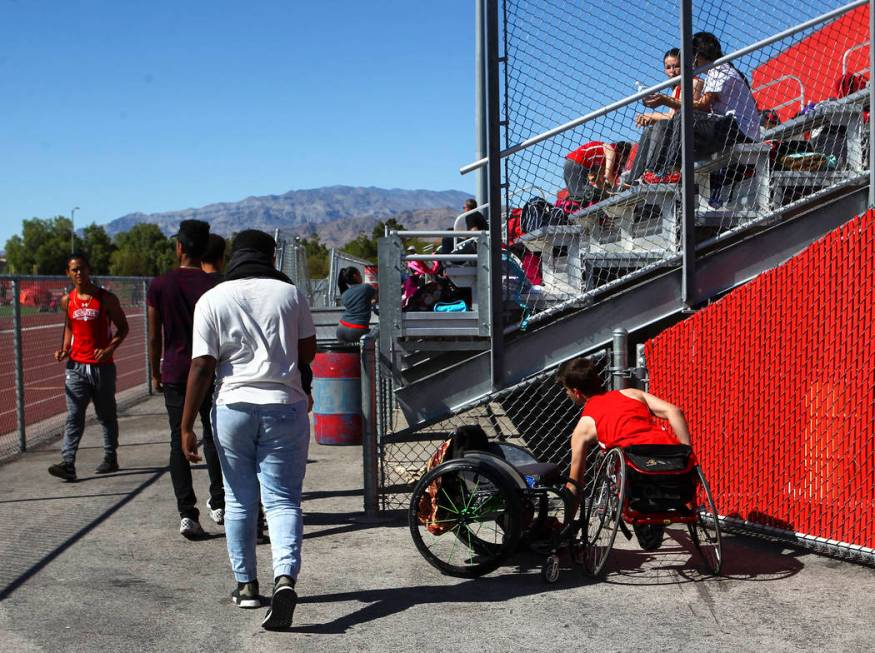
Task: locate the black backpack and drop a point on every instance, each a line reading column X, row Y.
column 538, row 213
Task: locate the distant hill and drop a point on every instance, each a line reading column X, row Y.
column 336, row 213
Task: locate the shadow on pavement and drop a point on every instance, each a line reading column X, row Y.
column 386, row 602
column 345, row 522
column 28, row 573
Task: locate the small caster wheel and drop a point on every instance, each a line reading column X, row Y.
column 550, row 570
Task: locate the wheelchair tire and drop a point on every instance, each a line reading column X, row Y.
column 604, row 511
column 465, row 517
column 649, row 536
column 705, row 532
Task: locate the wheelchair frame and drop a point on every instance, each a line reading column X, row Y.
column 469, row 514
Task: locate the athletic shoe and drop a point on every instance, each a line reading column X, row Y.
column 109, row 465
column 66, row 471
column 282, row 605
column 190, row 528
column 246, row 595
column 216, row 514
column 652, row 178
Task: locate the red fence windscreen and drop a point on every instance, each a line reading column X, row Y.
column 777, row 380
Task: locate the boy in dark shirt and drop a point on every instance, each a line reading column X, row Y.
column 171, row 300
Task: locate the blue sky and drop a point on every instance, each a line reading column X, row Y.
column 118, row 107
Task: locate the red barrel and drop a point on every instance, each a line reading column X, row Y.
column 337, row 395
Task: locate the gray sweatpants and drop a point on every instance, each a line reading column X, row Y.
column 84, row 383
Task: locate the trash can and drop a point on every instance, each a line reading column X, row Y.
column 337, row 394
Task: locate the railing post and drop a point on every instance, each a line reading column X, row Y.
column 688, row 189
column 19, row 370
column 641, row 368
column 496, row 290
column 871, row 100
column 369, row 424
column 480, row 121
column 148, row 335
column 620, row 359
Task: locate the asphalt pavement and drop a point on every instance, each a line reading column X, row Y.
column 98, row 565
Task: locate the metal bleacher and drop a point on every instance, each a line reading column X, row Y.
column 620, row 261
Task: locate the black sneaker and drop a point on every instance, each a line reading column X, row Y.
column 66, row 471
column 246, row 595
column 282, row 605
column 108, row 466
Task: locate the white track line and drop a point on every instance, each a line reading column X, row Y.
column 55, row 326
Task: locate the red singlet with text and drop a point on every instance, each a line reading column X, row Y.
column 90, row 327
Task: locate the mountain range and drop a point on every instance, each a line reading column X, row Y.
column 336, row 213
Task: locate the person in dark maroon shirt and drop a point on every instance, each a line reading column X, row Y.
column 171, row 300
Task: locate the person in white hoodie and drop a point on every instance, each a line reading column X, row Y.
column 253, row 332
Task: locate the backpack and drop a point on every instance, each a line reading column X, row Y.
column 538, row 213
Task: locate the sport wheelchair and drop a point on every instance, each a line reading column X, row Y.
column 470, row 513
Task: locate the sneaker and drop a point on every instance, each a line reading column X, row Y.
column 246, row 595
column 190, row 528
column 282, row 605
column 216, row 514
column 66, row 471
column 653, row 178
column 109, row 465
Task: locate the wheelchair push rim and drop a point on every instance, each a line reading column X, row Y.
column 464, row 518
column 604, row 511
column 705, row 531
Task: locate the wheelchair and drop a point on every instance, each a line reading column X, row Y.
column 469, row 514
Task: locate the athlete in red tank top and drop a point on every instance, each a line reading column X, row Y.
column 90, row 374
column 619, row 418
column 89, row 325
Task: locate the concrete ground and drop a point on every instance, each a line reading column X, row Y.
column 99, row 566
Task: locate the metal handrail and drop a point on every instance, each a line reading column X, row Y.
column 434, row 233
column 534, row 140
column 782, row 78
column 440, row 257
column 847, row 53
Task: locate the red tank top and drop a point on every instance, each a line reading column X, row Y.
column 621, row 421
column 90, row 326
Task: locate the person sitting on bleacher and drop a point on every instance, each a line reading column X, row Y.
column 671, row 63
column 616, row 418
column 593, row 169
column 725, row 115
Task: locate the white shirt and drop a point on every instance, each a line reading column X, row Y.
column 734, row 98
column 252, row 327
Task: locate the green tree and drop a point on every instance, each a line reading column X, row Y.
column 99, row 247
column 317, row 256
column 142, row 251
column 365, row 247
column 43, row 246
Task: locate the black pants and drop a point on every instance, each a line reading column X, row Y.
column 659, row 149
column 180, row 469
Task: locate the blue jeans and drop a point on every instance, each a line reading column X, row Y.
column 263, row 447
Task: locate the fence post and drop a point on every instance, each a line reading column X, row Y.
column 688, row 191
column 620, row 355
column 19, row 370
column 641, row 368
column 369, row 424
column 148, row 365
column 871, row 101
column 493, row 138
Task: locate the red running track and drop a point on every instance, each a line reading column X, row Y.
column 44, row 376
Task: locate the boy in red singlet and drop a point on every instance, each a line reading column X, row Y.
column 616, row 418
column 88, row 347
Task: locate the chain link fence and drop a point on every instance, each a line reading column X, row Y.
column 35, row 408
column 799, row 106
column 535, row 414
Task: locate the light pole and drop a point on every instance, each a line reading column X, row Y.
column 73, row 230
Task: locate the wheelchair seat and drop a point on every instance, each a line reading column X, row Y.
column 661, row 478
